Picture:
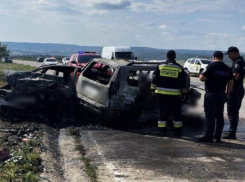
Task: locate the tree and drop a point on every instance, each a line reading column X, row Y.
column 3, row 50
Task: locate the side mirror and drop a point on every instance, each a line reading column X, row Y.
column 135, row 58
column 73, row 62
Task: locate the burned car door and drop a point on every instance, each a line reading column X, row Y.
column 94, row 83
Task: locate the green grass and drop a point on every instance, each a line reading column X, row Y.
column 12, row 66
column 26, row 169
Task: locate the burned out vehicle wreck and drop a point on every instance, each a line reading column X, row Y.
column 108, row 91
column 45, row 93
column 119, row 91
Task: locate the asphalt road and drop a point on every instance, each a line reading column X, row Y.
column 142, row 154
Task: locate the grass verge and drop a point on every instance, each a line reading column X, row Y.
column 89, row 169
column 12, row 66
column 24, row 165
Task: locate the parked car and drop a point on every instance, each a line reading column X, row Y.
column 196, row 65
column 118, row 52
column 65, row 60
column 7, row 59
column 82, row 58
column 40, row 59
column 49, row 61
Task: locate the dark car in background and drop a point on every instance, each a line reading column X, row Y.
column 7, row 59
column 40, row 59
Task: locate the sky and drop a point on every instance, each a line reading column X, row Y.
column 165, row 24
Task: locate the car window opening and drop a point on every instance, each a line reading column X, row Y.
column 136, row 77
column 101, row 74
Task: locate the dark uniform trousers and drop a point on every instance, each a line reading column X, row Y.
column 233, row 106
column 169, row 106
column 214, row 111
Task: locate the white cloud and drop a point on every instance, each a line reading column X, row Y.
column 65, row 6
column 243, row 28
column 189, row 6
column 165, row 33
column 242, row 39
column 204, row 20
column 147, row 24
column 163, row 27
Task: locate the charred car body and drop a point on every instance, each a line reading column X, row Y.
column 116, row 90
column 119, row 90
column 45, row 92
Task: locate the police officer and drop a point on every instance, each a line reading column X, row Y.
column 218, row 84
column 169, row 84
column 237, row 93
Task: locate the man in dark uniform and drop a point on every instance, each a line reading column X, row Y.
column 169, row 84
column 218, row 84
column 237, row 93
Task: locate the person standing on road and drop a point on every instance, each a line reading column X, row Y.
column 218, row 80
column 169, row 84
column 237, row 93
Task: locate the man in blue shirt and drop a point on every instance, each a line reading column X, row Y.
column 237, row 93
column 218, row 80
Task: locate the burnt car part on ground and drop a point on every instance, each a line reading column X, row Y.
column 47, row 93
column 115, row 91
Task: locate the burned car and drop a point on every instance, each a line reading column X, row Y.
column 118, row 90
column 46, row 92
column 115, row 91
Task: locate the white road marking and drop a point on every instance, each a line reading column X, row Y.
column 109, row 165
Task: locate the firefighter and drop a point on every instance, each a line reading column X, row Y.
column 237, row 93
column 218, row 84
column 170, row 86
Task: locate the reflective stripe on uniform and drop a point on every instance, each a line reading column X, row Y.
column 178, row 124
column 167, row 91
column 162, row 124
column 170, row 67
column 184, row 90
column 153, row 87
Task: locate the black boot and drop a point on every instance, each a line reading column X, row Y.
column 217, row 138
column 163, row 131
column 231, row 136
column 207, row 139
column 178, row 132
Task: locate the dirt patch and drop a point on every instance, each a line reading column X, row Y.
column 51, row 158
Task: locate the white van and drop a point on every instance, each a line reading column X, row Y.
column 118, row 52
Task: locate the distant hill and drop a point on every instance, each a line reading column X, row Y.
column 143, row 53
